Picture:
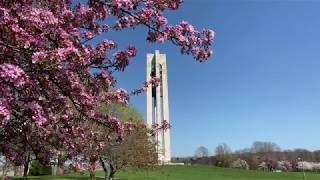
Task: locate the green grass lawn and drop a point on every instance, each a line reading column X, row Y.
column 192, row 173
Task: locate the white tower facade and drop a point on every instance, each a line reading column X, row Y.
column 158, row 104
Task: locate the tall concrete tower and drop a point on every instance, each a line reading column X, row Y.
column 157, row 103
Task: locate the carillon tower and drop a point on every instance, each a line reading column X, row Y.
column 157, row 103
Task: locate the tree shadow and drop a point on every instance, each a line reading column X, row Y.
column 79, row 178
column 57, row 178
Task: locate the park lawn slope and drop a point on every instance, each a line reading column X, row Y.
column 192, row 173
column 211, row 173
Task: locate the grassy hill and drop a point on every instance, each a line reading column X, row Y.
column 211, row 173
column 193, row 173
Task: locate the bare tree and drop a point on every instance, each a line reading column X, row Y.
column 201, row 152
column 223, row 155
column 264, row 147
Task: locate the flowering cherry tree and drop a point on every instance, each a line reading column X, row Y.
column 48, row 91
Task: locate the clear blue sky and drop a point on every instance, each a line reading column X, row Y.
column 263, row 82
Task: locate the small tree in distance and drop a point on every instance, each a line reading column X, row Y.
column 264, row 147
column 201, row 152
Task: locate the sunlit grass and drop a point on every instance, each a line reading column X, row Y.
column 190, row 173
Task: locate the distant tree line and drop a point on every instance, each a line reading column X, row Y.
column 267, row 156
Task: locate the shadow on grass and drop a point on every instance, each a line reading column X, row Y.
column 79, row 178
column 56, row 178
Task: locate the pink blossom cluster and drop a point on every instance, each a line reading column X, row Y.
column 11, row 77
column 153, row 82
column 122, row 57
column 120, row 96
column 4, row 113
column 150, row 14
column 190, row 40
column 124, row 3
column 115, row 122
column 156, row 128
column 38, row 17
column 88, row 35
column 13, row 74
column 37, row 113
column 106, row 79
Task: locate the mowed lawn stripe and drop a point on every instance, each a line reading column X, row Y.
column 180, row 172
column 211, row 173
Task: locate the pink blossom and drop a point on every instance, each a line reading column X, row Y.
column 82, row 9
column 105, row 74
column 187, row 27
column 122, row 57
column 4, row 114
column 153, row 82
column 13, row 74
column 88, row 35
column 38, row 56
column 37, row 112
column 196, row 51
column 122, row 3
column 162, row 20
column 210, row 35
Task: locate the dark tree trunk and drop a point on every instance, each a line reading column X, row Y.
column 112, row 172
column 60, row 167
column 92, row 175
column 26, row 166
column 104, row 169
